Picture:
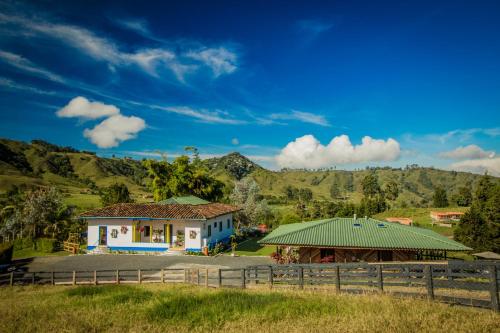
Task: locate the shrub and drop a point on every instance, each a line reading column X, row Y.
column 6, row 250
column 23, row 243
column 46, row 245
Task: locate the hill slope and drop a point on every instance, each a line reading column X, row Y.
column 79, row 174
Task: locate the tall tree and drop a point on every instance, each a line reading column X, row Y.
column 116, row 193
column 440, row 198
column 246, row 194
column 391, row 190
column 370, row 185
column 182, row 177
column 463, row 197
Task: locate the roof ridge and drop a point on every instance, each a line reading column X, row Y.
column 319, row 222
column 412, row 230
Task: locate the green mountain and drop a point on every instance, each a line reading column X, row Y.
column 79, row 174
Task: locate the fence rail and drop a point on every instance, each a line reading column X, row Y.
column 473, row 284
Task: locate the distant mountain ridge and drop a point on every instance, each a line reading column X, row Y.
column 79, row 174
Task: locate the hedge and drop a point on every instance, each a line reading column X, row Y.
column 46, row 245
column 6, row 250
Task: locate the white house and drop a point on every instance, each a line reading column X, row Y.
column 182, row 223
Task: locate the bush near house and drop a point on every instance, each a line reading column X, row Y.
column 6, row 250
column 45, row 245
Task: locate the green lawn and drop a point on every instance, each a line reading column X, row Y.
column 250, row 247
column 182, row 308
column 29, row 253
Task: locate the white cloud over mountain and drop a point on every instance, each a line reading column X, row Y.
column 468, row 152
column 490, row 165
column 308, row 152
column 115, row 129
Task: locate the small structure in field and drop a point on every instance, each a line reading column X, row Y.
column 445, row 217
column 400, row 220
column 364, row 239
column 263, row 229
column 179, row 223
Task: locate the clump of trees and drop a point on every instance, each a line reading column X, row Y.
column 182, row 177
column 440, row 198
column 255, row 210
column 479, row 228
column 116, row 193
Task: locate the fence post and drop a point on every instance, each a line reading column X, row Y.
column 243, row 278
column 117, row 276
column 301, row 277
column 219, row 278
column 337, row 278
column 198, row 276
column 139, row 276
column 185, row 275
column 73, row 280
column 270, row 277
column 11, row 282
column 428, row 281
column 494, row 288
column 380, row 278
column 52, row 278
column 33, row 278
column 95, row 277
column 206, row 277
column 162, row 275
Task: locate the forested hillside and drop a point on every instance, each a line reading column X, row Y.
column 80, row 174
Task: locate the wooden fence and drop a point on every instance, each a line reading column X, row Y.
column 472, row 284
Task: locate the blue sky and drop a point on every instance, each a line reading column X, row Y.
column 289, row 84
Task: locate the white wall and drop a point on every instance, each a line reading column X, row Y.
column 124, row 240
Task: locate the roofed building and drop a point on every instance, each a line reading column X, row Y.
column 362, row 239
column 446, row 216
column 178, row 223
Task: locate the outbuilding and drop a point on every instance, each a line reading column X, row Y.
column 180, row 223
column 362, row 239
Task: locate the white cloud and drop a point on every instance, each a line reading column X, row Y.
column 235, row 141
column 24, row 64
column 314, row 27
column 80, row 107
column 114, row 130
column 220, row 60
column 490, row 165
column 137, row 25
column 212, row 117
column 468, row 152
column 308, row 152
column 304, row 117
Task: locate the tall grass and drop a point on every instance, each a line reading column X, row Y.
column 167, row 308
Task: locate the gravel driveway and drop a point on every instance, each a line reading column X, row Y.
column 123, row 261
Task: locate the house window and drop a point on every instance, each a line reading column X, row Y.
column 220, row 226
column 215, row 225
column 147, row 230
column 228, row 223
column 209, row 230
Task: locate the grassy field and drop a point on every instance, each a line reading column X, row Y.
column 421, row 217
column 160, row 308
column 29, row 253
column 250, row 247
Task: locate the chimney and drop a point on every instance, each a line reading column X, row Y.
column 354, row 217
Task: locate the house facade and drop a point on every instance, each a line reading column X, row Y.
column 156, row 227
column 362, row 239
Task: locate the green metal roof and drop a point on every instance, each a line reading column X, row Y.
column 360, row 233
column 186, row 200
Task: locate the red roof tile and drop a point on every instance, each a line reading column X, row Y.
column 164, row 211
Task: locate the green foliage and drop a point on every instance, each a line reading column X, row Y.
column 463, row 197
column 17, row 160
column 480, row 226
column 46, row 245
column 370, row 185
column 335, row 188
column 246, row 194
column 6, row 250
column 290, row 217
column 182, row 177
column 391, row 190
column 24, row 243
column 440, row 198
column 59, row 165
column 116, row 193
